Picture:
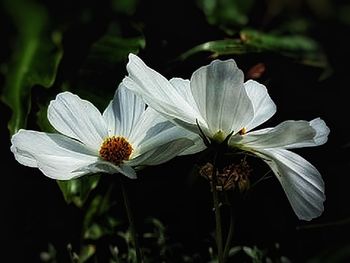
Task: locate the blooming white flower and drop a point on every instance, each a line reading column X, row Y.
column 126, row 135
column 217, row 98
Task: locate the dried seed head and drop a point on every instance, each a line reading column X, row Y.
column 231, row 176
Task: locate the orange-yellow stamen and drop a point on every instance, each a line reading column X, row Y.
column 243, row 131
column 115, row 150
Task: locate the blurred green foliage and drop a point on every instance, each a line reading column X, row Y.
column 85, row 51
column 35, row 58
column 78, row 190
column 299, row 48
column 227, row 14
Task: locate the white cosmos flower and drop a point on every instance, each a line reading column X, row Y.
column 215, row 96
column 223, row 104
column 126, row 135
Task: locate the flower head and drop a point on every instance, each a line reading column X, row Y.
column 214, row 98
column 124, row 137
column 227, row 108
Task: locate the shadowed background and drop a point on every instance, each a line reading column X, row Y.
column 298, row 49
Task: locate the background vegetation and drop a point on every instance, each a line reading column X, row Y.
column 299, row 49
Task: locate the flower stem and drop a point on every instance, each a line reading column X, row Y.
column 218, row 229
column 230, row 233
column 131, row 222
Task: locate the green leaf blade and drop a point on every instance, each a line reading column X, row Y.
column 35, row 59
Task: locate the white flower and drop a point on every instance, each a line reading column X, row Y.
column 126, row 135
column 215, row 96
column 218, row 99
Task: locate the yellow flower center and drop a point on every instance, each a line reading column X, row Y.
column 115, row 150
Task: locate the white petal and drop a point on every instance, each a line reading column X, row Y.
column 300, row 180
column 128, row 171
column 154, row 131
column 167, row 151
column 264, row 107
column 157, row 91
column 322, row 131
column 57, row 156
column 78, row 119
column 320, row 136
column 198, row 145
column 107, row 167
column 286, row 134
column 221, row 97
column 151, row 122
column 161, row 134
column 123, row 112
column 183, row 88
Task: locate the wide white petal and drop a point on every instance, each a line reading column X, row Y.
column 198, row 145
column 150, row 122
column 123, row 112
column 154, row 131
column 157, row 91
column 221, row 97
column 264, row 107
column 284, row 135
column 78, row 119
column 162, row 134
column 57, row 156
column 183, row 87
column 321, row 135
column 107, row 167
column 167, row 151
column 300, row 180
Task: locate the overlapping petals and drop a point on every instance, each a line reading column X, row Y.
column 217, row 99
column 300, row 180
column 74, row 151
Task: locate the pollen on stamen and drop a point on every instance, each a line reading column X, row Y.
column 115, row 150
column 242, row 131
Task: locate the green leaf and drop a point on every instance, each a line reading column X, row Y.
column 299, row 48
column 86, row 252
column 34, row 60
column 77, row 190
column 42, row 120
column 295, row 46
column 127, row 7
column 226, row 13
column 220, row 48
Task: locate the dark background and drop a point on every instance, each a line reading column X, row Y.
column 34, row 213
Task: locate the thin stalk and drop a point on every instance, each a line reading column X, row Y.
column 131, row 222
column 230, row 232
column 218, row 229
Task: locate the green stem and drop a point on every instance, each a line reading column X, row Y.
column 218, row 229
column 131, row 222
column 230, row 233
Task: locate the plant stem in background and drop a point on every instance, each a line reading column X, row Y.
column 218, row 229
column 230, row 232
column 131, row 222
